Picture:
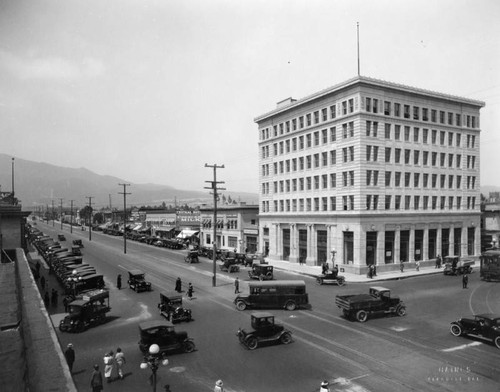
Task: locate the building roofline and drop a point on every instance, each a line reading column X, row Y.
column 373, row 82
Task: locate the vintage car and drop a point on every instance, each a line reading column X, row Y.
column 454, row 266
column 61, row 237
column 483, row 326
column 330, row 278
column 229, row 264
column 76, row 289
column 171, row 307
column 76, row 250
column 264, row 330
column 86, row 312
column 261, row 272
column 378, row 301
column 137, row 282
column 164, row 335
column 78, row 243
column 192, row 257
column 252, row 258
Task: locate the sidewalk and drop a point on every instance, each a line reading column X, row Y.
column 353, row 278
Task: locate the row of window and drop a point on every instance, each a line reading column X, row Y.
column 392, row 155
column 372, row 105
column 391, row 202
column 396, row 179
column 328, row 136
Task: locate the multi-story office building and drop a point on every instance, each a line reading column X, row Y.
column 372, row 172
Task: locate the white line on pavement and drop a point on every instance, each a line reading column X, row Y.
column 461, row 347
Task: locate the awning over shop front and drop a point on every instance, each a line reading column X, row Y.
column 136, row 227
column 186, row 233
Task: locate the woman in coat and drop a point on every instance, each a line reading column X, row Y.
column 109, row 364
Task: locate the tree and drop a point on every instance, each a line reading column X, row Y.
column 86, row 213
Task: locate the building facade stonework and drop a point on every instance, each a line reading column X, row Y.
column 370, row 172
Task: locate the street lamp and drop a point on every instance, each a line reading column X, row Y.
column 153, row 361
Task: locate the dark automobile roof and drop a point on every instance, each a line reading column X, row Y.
column 262, row 314
column 154, row 324
column 278, row 283
column 136, row 272
column 171, row 294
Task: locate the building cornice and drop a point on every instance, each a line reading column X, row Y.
column 370, row 82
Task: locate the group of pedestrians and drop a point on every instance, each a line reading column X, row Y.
column 178, row 288
column 112, row 361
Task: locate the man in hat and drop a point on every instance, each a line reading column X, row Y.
column 70, row 356
column 96, row 379
column 324, row 387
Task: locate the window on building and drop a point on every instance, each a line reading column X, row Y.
column 450, row 202
column 407, row 180
column 397, row 155
column 434, row 202
column 407, row 156
column 397, row 132
column 388, row 178
column 344, row 154
column 368, row 177
column 397, row 110
column 351, row 129
column 324, row 158
column 450, row 181
column 442, row 159
column 425, row 180
column 344, row 131
column 407, row 202
column 416, row 113
column 351, row 177
column 426, row 202
column 425, row 135
column 333, row 157
column 458, row 121
column 333, row 112
column 368, row 104
column 333, row 180
column 388, row 202
column 387, row 131
column 434, row 136
column 443, row 181
column 416, row 179
column 324, row 181
column 324, row 114
column 416, row 202
column 442, row 202
column 434, row 159
column 433, row 115
column 459, row 182
column 324, row 136
column 308, row 119
column 333, row 134
column 398, row 179
column 425, row 114
column 301, row 163
column 316, row 117
column 387, row 108
column 415, row 134
column 397, row 202
column 450, row 118
column 458, row 160
column 351, row 105
column 406, row 113
column 442, row 136
column 434, row 180
column 333, row 203
column 344, row 108
column 324, row 204
column 351, row 153
column 416, row 156
column 308, row 162
column 368, row 201
column 387, row 154
column 441, row 117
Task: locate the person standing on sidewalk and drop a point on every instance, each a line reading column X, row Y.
column 70, row 356
column 190, row 291
column 96, row 380
column 120, row 361
column 417, row 265
column 465, row 281
column 119, row 282
column 401, row 265
column 236, row 286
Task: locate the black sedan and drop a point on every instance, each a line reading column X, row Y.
column 483, row 326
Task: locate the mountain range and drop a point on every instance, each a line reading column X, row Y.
column 39, row 184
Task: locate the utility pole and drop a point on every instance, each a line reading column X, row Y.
column 13, row 181
column 53, row 224
column 90, row 217
column 214, row 191
column 60, row 212
column 124, row 193
column 71, row 222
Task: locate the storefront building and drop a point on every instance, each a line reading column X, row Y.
column 236, row 227
column 370, row 172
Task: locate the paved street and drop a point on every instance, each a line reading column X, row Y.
column 411, row 353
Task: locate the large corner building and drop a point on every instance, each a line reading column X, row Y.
column 371, row 172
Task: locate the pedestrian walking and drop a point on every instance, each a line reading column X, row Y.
column 167, row 388
column 119, row 282
column 178, row 285
column 120, row 362
column 96, row 379
column 465, row 281
column 417, row 265
column 401, row 266
column 108, row 366
column 190, row 291
column 219, row 386
column 66, row 304
column 236, row 285
column 324, row 387
column 324, row 268
column 438, row 261
column 69, row 354
column 46, row 299
column 42, row 282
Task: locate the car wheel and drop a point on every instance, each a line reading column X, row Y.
column 269, row 275
column 291, row 305
column 319, row 281
column 401, row 311
column 251, row 343
column 456, row 330
column 63, row 328
column 341, row 281
column 286, row 338
column 362, row 316
column 497, row 341
column 188, row 347
column 240, row 305
column 261, row 278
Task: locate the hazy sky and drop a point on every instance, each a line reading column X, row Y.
column 151, row 90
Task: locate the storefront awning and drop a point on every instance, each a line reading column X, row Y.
column 186, row 233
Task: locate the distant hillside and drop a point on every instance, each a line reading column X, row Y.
column 38, row 183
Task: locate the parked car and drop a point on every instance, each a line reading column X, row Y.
column 378, row 301
column 192, row 257
column 61, row 237
column 483, row 326
column 164, row 335
column 229, row 264
column 171, row 308
column 264, row 330
column 78, row 243
column 88, row 311
column 137, row 281
column 261, row 272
